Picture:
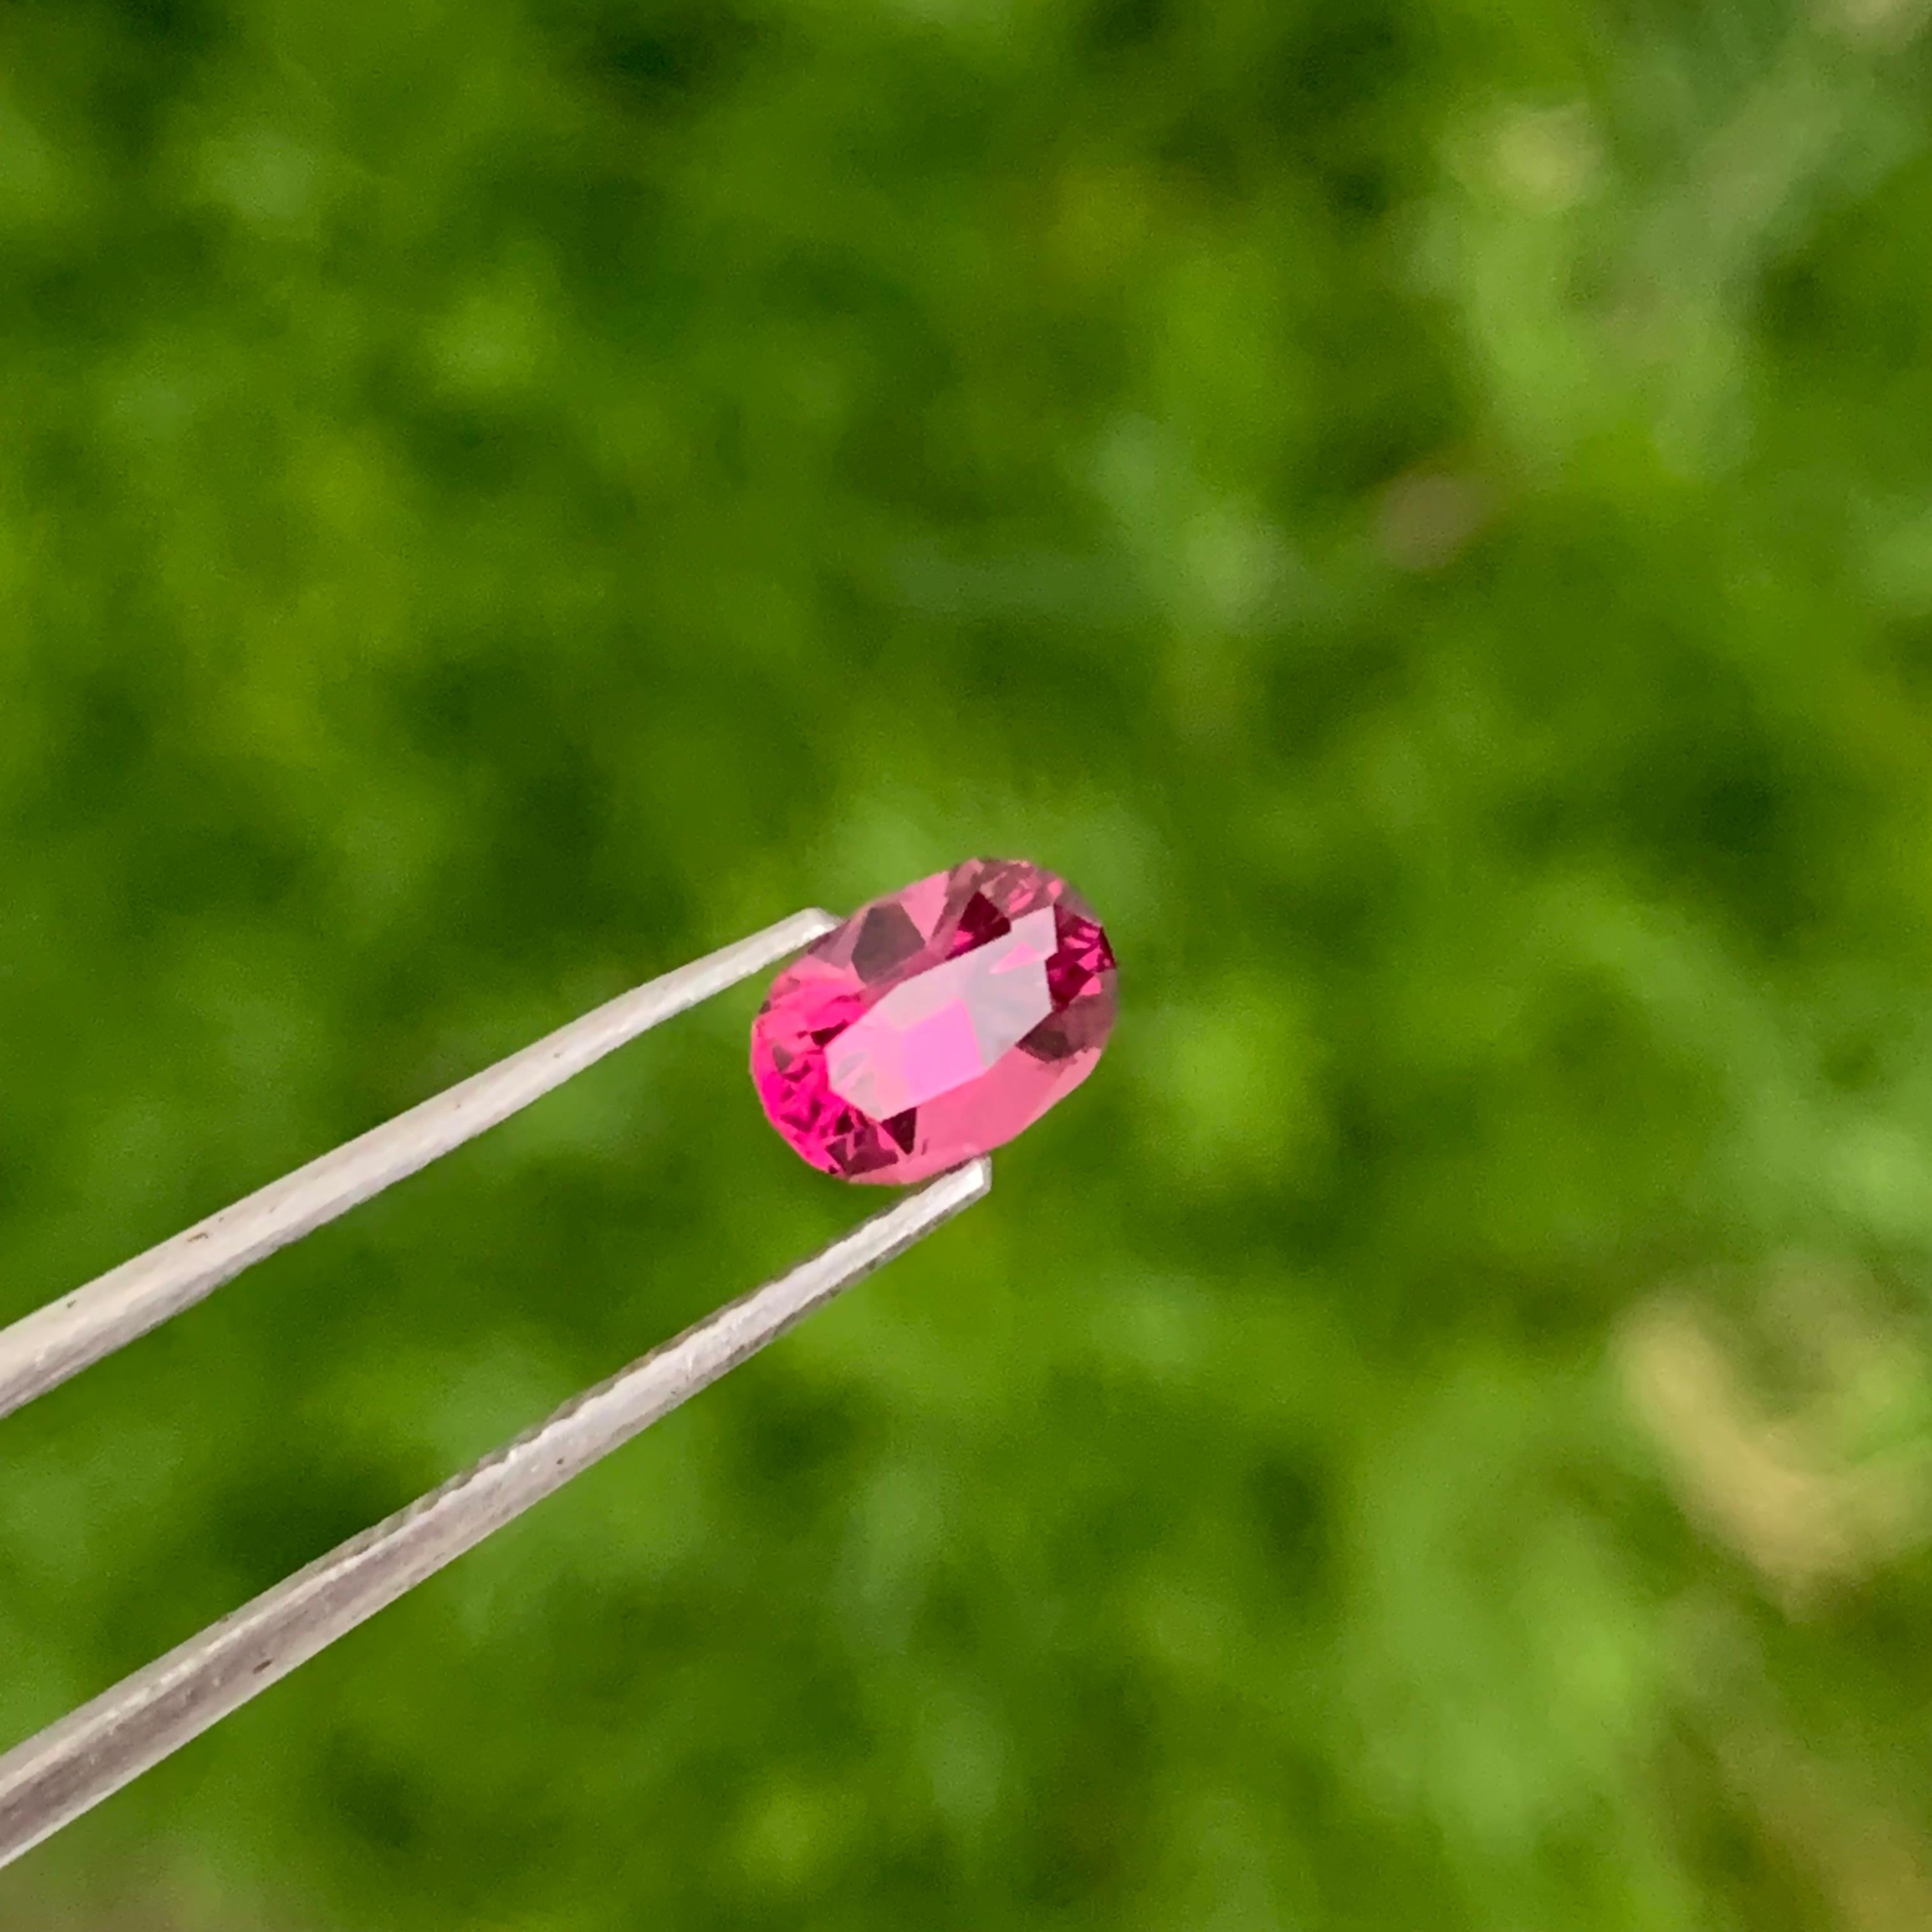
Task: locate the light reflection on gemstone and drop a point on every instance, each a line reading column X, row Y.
column 935, row 1032
column 936, row 1023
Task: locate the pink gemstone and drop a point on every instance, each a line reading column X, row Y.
column 936, row 1023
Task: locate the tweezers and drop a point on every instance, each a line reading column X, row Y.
column 52, row 1779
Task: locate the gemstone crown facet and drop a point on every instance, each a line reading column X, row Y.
column 936, row 1023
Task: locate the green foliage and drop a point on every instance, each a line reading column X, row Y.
column 1423, row 511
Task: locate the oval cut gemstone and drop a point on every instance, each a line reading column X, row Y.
column 936, row 1023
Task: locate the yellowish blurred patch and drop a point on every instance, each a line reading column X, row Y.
column 1815, row 1486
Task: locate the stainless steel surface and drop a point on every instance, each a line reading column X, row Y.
column 70, row 1768
column 42, row 1350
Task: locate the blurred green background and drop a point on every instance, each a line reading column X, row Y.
column 1423, row 508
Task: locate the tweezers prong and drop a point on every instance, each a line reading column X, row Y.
column 41, row 1351
column 70, row 1767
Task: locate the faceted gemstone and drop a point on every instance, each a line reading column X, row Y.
column 936, row 1023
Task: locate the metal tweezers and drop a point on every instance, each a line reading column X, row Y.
column 51, row 1779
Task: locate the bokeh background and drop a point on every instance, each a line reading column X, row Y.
column 1423, row 508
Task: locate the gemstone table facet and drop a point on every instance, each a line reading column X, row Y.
column 936, row 1023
